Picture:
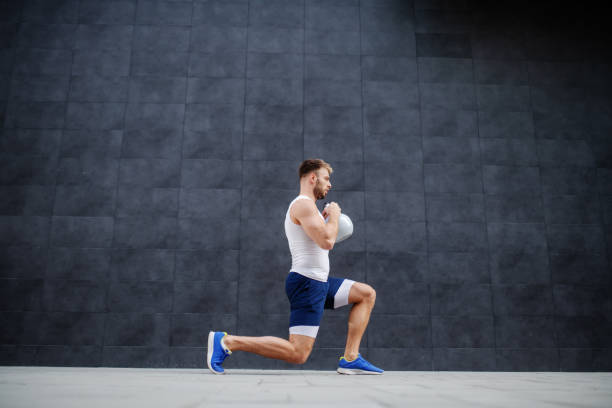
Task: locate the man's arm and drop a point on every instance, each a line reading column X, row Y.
column 324, row 235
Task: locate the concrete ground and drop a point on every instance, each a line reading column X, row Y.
column 133, row 387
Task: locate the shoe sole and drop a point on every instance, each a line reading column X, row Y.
column 356, row 371
column 209, row 352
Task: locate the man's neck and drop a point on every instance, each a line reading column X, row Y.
column 309, row 195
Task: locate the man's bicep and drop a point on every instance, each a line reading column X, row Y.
column 311, row 222
column 314, row 227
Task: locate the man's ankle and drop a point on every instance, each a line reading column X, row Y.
column 350, row 356
column 228, row 341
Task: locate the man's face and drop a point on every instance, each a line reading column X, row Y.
column 322, row 185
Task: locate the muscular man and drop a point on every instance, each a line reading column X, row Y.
column 308, row 286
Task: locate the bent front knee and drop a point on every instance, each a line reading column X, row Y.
column 370, row 295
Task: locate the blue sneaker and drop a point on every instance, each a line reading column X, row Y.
column 217, row 352
column 357, row 366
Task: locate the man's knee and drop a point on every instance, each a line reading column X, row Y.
column 300, row 355
column 369, row 294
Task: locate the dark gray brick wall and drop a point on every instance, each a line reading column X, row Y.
column 149, row 150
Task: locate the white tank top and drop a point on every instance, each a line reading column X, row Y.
column 307, row 258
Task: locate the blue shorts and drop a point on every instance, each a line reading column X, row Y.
column 308, row 297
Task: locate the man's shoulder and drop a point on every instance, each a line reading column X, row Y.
column 303, row 205
column 302, row 208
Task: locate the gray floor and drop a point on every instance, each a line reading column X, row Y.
column 128, row 387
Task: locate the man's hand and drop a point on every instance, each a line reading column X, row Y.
column 331, row 208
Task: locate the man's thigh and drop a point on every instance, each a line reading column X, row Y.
column 338, row 292
column 306, row 297
column 301, row 342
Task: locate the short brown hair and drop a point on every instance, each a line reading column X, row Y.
column 309, row 165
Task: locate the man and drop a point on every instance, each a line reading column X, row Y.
column 308, row 286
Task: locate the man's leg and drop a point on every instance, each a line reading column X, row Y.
column 295, row 351
column 363, row 297
column 343, row 292
column 307, row 298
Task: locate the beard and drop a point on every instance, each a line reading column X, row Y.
column 318, row 192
